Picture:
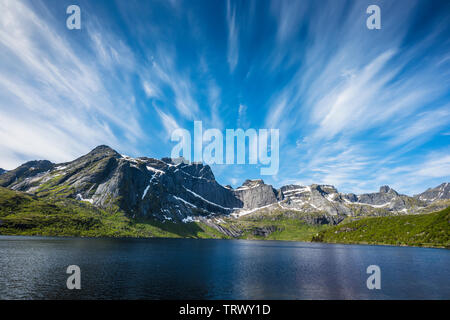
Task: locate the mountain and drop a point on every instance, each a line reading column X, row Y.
column 25, row 214
column 172, row 190
column 441, row 192
column 2, row 171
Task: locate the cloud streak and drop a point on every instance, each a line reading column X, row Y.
column 54, row 104
column 355, row 107
column 233, row 36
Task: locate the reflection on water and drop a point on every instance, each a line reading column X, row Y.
column 35, row 268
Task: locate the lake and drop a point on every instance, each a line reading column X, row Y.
column 35, row 268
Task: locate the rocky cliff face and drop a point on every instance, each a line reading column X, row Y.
column 139, row 186
column 322, row 198
column 255, row 194
column 441, row 192
column 387, row 198
column 165, row 190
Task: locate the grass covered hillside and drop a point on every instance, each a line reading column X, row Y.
column 277, row 225
column 431, row 229
column 24, row 214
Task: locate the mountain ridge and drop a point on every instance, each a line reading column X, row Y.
column 173, row 190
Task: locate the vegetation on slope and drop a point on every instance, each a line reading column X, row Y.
column 431, row 229
column 23, row 214
column 280, row 225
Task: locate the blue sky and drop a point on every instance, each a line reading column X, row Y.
column 356, row 108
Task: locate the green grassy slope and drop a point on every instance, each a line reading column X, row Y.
column 23, row 214
column 287, row 227
column 431, row 229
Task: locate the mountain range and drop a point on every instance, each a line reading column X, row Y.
column 172, row 190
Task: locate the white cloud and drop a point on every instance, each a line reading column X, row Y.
column 233, row 36
column 289, row 14
column 149, row 90
column 167, row 121
column 166, row 72
column 435, row 167
column 420, row 129
column 54, row 104
column 416, row 176
column 347, row 106
column 357, row 102
column 214, row 101
column 242, row 116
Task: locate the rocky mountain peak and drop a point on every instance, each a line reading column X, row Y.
column 387, row 189
column 38, row 164
column 179, row 191
column 171, row 161
column 324, row 188
column 103, row 149
column 26, row 170
column 197, row 170
column 252, row 183
column 441, row 192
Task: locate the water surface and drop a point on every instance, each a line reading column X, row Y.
column 35, row 268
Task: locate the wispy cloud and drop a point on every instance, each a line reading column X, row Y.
column 233, row 36
column 358, row 98
column 166, row 73
column 414, row 176
column 55, row 103
column 421, row 127
column 149, row 89
column 169, row 123
column 355, row 107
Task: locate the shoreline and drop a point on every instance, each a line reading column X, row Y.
column 227, row 239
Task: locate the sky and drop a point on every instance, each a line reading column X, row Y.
column 355, row 108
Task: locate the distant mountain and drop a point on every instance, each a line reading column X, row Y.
column 2, row 171
column 441, row 192
column 173, row 190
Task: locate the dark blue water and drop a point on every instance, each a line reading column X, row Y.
column 35, row 268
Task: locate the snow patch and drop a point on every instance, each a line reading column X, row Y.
column 245, row 212
column 200, row 197
column 188, row 174
column 298, row 190
column 248, row 188
column 145, row 191
column 375, row 205
column 189, row 219
column 127, row 158
column 287, row 208
column 155, row 170
column 185, row 202
column 80, row 197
